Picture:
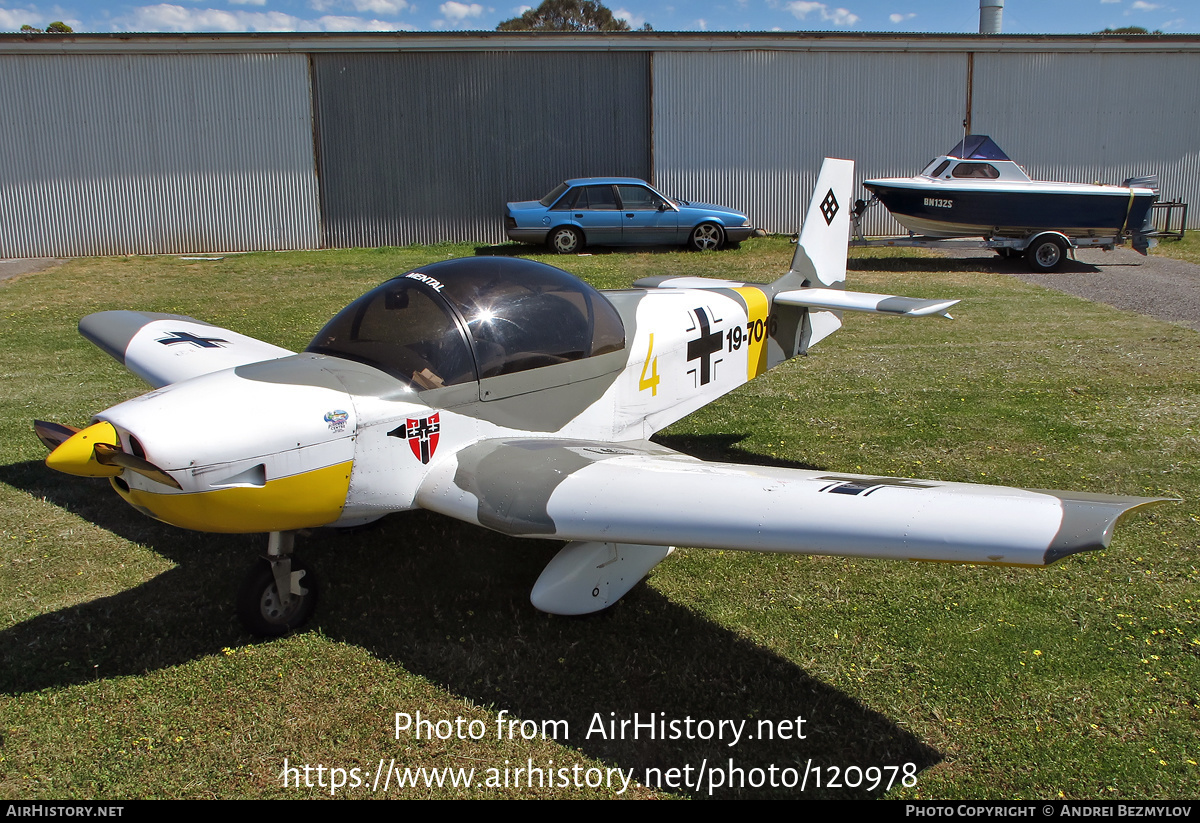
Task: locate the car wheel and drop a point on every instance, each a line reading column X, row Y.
column 706, row 237
column 1045, row 254
column 566, row 240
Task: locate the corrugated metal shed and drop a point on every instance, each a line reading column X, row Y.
column 146, row 154
column 1093, row 117
column 749, row 129
column 422, row 148
column 171, row 143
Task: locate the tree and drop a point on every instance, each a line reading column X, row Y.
column 567, row 15
column 57, row 27
column 1128, row 30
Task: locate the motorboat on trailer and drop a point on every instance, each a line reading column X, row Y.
column 977, row 191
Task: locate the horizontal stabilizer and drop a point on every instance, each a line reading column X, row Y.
column 167, row 348
column 839, row 300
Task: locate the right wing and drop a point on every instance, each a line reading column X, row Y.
column 168, row 348
column 643, row 493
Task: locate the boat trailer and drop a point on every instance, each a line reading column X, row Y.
column 1044, row 250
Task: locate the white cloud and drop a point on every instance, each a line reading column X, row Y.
column 13, row 19
column 457, row 12
column 169, row 17
column 380, row 6
column 839, row 17
column 341, row 23
column 900, row 18
column 635, row 21
column 1110, row 1
column 1140, row 5
column 383, row 7
column 249, row 2
column 701, row 24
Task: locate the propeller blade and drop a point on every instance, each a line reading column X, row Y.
column 108, row 455
column 53, row 435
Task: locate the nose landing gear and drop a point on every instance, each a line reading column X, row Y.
column 279, row 594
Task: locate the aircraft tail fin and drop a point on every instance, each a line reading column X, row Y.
column 816, row 282
column 820, row 258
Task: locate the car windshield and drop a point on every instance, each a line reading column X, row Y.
column 554, row 194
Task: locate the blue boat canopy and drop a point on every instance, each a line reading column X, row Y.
column 977, row 147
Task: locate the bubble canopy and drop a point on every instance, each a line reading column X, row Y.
column 464, row 320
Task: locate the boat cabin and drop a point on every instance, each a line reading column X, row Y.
column 976, row 157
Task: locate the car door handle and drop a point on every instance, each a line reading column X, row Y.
column 578, row 216
column 629, row 214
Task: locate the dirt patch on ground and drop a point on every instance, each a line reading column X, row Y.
column 26, row 265
column 1155, row 286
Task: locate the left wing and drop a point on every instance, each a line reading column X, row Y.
column 645, row 494
column 167, row 348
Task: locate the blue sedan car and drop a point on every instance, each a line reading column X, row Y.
column 620, row 211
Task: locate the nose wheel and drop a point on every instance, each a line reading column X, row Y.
column 279, row 594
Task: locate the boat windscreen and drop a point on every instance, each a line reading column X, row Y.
column 977, row 147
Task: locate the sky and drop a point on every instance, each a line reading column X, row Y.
column 1019, row 16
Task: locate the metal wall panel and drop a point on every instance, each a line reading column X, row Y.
column 749, row 129
column 428, row 147
column 1094, row 117
column 152, row 154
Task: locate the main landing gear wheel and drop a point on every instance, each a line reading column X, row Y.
column 1045, row 254
column 566, row 240
column 705, row 237
column 261, row 608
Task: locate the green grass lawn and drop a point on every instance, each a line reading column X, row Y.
column 1186, row 249
column 125, row 673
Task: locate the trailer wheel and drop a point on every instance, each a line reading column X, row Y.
column 1045, row 254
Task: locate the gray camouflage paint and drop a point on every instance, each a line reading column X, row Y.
column 1088, row 520
column 513, row 491
column 111, row 331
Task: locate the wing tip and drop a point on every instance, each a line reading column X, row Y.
column 1089, row 520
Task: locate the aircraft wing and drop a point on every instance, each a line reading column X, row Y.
column 168, row 348
column 643, row 493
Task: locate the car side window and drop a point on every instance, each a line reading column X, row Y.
column 638, row 198
column 597, row 197
column 567, row 201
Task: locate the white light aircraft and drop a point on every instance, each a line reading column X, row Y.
column 510, row 394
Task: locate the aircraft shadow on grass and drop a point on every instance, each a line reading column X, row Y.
column 399, row 588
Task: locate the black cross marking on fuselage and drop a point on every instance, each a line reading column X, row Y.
column 704, row 347
column 191, row 339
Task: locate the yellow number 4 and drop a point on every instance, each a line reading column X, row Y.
column 652, row 364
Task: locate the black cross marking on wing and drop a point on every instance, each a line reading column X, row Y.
column 192, row 340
